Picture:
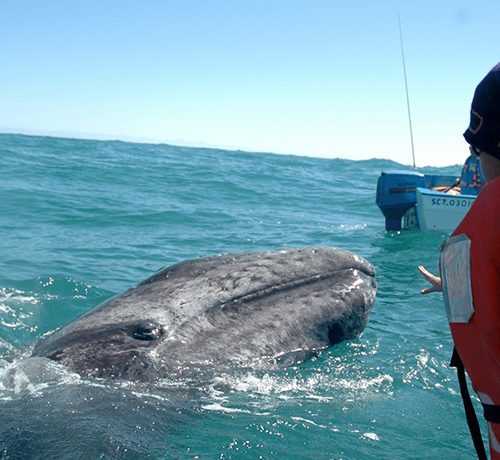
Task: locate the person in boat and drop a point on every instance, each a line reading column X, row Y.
column 470, row 272
column 471, row 178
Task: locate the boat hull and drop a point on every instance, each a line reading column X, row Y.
column 440, row 211
column 411, row 200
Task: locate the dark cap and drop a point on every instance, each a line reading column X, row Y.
column 484, row 129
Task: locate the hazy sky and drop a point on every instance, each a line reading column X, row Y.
column 312, row 77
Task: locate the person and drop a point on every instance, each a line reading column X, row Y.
column 471, row 178
column 470, row 272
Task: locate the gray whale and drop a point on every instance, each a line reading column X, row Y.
column 233, row 309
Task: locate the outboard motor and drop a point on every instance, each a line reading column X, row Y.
column 396, row 194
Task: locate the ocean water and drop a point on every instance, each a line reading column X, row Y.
column 82, row 220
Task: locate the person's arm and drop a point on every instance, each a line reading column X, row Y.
column 435, row 281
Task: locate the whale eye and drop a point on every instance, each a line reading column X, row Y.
column 147, row 331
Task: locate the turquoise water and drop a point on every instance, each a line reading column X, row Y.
column 84, row 220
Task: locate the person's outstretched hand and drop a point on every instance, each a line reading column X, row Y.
column 435, row 281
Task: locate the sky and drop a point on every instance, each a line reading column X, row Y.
column 321, row 78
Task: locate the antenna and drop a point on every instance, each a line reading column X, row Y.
column 406, row 86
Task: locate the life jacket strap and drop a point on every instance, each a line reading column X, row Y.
column 470, row 414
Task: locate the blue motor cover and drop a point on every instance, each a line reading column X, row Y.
column 396, row 194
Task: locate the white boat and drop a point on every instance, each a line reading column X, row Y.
column 412, row 200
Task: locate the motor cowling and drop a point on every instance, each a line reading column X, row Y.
column 396, row 194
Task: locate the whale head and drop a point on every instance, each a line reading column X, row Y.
column 231, row 309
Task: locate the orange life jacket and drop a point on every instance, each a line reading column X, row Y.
column 470, row 270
